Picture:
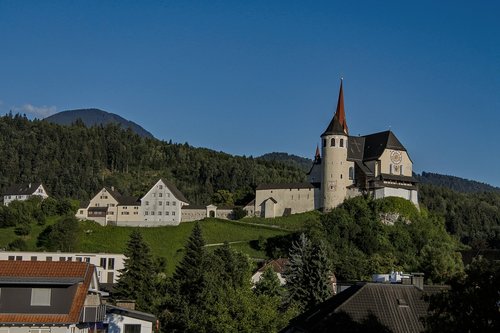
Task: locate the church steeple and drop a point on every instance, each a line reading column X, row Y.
column 317, row 155
column 338, row 125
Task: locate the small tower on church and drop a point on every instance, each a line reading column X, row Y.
column 335, row 167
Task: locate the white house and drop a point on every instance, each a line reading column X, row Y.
column 162, row 205
column 122, row 320
column 23, row 192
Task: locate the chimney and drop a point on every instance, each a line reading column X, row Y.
column 29, row 185
column 112, row 188
column 126, row 304
column 417, row 279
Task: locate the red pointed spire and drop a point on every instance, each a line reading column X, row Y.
column 340, row 113
column 317, row 156
column 338, row 125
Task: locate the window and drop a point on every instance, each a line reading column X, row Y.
column 48, row 259
column 159, row 213
column 81, row 211
column 147, row 203
column 124, row 207
column 132, row 328
column 87, row 259
column 351, row 173
column 324, row 142
column 111, row 263
column 19, row 258
column 173, row 203
column 167, row 203
column 11, row 257
column 341, row 143
column 70, row 259
column 160, row 194
column 79, row 259
column 173, row 213
column 62, row 258
column 160, row 203
column 332, row 142
column 103, row 263
column 40, row 296
column 167, row 213
column 146, row 213
column 152, row 213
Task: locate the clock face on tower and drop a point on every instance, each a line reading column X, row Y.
column 396, row 157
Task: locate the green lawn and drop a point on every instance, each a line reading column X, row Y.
column 293, row 222
column 168, row 242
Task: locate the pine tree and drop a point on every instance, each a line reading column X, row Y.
column 308, row 273
column 137, row 277
column 269, row 284
column 189, row 274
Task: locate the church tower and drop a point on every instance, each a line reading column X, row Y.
column 335, row 167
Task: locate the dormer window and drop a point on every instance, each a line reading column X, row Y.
column 40, row 296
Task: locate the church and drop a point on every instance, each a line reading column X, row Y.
column 375, row 164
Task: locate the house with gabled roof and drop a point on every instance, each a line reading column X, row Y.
column 376, row 164
column 108, row 206
column 51, row 297
column 23, row 192
column 162, row 204
column 370, row 307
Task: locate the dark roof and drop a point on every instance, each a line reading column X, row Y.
column 22, row 189
column 400, row 178
column 175, row 191
column 128, row 201
column 355, row 148
column 130, row 313
column 375, row 144
column 115, row 194
column 335, row 127
column 285, row 186
column 98, row 209
column 395, row 307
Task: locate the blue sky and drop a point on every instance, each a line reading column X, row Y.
column 251, row 77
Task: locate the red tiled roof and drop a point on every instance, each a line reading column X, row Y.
column 49, row 269
column 278, row 265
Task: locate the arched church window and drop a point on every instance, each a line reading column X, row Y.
column 341, row 142
column 333, row 142
column 351, row 173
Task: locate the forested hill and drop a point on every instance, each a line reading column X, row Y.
column 455, row 183
column 289, row 159
column 76, row 161
column 93, row 117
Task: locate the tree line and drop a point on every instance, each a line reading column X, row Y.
column 76, row 161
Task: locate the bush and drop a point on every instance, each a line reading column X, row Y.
column 17, row 244
column 22, row 230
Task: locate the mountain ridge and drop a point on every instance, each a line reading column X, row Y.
column 94, row 117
